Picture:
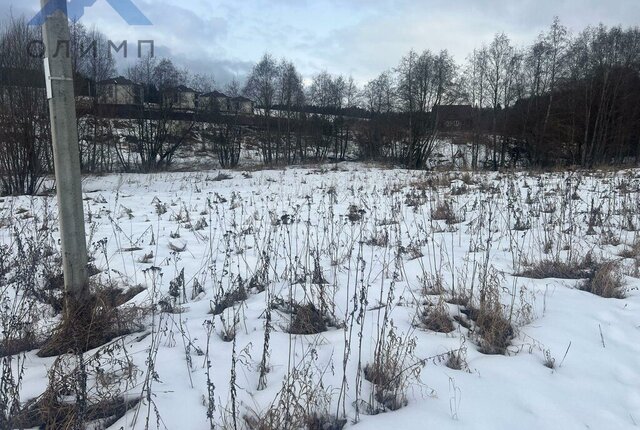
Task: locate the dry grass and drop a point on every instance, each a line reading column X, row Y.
column 94, row 323
column 24, row 341
column 492, row 330
column 229, row 299
column 456, row 360
column 392, row 372
column 49, row 412
column 606, row 281
column 559, row 269
column 307, row 320
column 444, row 212
column 600, row 278
column 436, row 318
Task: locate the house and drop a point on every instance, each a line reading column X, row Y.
column 214, row 102
column 181, row 97
column 241, row 105
column 454, row 117
column 119, row 91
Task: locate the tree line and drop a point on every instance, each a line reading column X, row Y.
column 571, row 99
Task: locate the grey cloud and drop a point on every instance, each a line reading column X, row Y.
column 359, row 37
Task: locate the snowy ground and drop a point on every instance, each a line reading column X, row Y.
column 361, row 244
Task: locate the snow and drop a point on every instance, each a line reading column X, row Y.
column 594, row 341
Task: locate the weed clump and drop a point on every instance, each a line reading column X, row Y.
column 229, row 299
column 559, row 269
column 606, row 281
column 306, row 320
column 492, row 328
column 444, row 212
column 600, row 278
column 93, row 323
column 393, row 370
column 436, row 318
column 69, row 402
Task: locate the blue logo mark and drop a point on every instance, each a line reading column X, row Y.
column 75, row 9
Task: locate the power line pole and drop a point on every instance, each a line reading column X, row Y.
column 66, row 155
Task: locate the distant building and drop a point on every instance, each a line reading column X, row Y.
column 119, row 91
column 181, row 97
column 454, row 117
column 241, row 105
column 214, row 101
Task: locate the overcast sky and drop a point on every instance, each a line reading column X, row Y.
column 357, row 37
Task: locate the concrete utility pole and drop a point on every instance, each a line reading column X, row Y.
column 66, row 156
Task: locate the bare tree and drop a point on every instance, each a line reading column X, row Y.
column 25, row 141
column 499, row 58
column 424, row 81
column 233, row 88
column 92, row 63
column 379, row 94
column 290, row 102
column 475, row 82
column 156, row 134
column 203, row 82
column 261, row 86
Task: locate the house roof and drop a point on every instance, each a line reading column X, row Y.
column 241, row 99
column 120, row 80
column 26, row 78
column 216, row 94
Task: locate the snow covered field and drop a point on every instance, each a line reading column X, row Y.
column 300, row 298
